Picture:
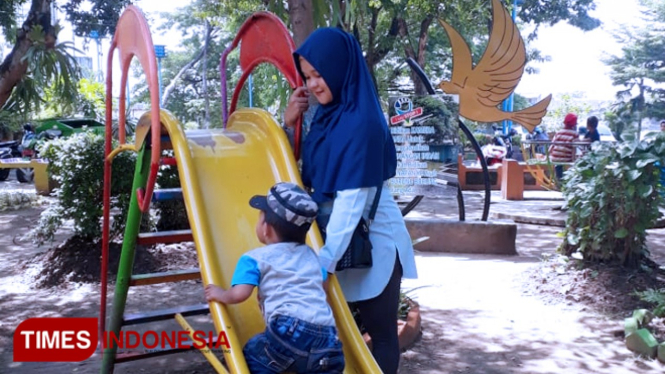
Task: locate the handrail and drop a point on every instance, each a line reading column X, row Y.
column 132, row 38
column 267, row 40
column 530, row 162
column 121, row 148
column 582, row 145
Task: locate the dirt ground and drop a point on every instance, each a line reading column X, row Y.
column 481, row 314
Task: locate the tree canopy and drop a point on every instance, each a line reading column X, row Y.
column 389, row 31
column 639, row 70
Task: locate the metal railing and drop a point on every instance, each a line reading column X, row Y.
column 534, row 146
column 534, row 159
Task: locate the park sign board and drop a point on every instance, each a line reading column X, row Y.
column 425, row 132
column 160, row 51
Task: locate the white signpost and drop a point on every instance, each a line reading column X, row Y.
column 424, row 129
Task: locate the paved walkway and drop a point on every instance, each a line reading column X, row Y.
column 536, row 204
column 479, row 317
column 11, row 184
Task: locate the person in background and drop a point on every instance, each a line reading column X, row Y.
column 592, row 134
column 559, row 151
column 539, row 134
column 662, row 125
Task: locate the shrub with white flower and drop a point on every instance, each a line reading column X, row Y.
column 76, row 163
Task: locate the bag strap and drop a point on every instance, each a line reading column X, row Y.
column 375, row 204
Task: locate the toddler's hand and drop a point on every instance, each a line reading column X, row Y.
column 326, row 283
column 214, row 293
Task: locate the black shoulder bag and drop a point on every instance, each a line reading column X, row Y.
column 359, row 253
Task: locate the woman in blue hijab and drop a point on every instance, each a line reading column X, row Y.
column 347, row 154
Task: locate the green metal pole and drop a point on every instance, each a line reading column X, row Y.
column 126, row 263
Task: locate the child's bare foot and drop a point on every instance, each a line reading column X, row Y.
column 214, row 293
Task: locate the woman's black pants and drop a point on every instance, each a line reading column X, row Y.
column 379, row 316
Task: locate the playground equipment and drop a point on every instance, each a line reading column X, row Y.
column 265, row 40
column 219, row 171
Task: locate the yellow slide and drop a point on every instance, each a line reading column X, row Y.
column 220, row 170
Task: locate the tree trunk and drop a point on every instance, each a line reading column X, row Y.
column 640, row 107
column 419, row 86
column 12, row 68
column 419, row 55
column 409, row 51
column 302, row 19
column 195, row 59
column 375, row 51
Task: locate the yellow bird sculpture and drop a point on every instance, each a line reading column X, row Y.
column 494, row 78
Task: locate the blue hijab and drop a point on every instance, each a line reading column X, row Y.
column 349, row 144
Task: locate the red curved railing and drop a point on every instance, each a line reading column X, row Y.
column 264, row 38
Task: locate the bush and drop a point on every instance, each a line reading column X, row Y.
column 655, row 297
column 76, row 164
column 442, row 116
column 612, row 198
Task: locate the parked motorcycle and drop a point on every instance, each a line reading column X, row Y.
column 8, row 150
column 29, row 145
column 505, row 140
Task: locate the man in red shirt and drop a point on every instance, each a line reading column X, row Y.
column 562, row 152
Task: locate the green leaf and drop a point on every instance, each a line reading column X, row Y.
column 573, row 239
column 630, row 191
column 644, row 162
column 621, row 233
column 586, row 211
column 645, row 190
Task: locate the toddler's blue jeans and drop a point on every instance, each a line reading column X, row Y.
column 293, row 345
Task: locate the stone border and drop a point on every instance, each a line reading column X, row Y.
column 638, row 337
column 451, row 236
column 520, row 218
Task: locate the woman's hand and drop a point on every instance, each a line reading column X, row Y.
column 297, row 105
